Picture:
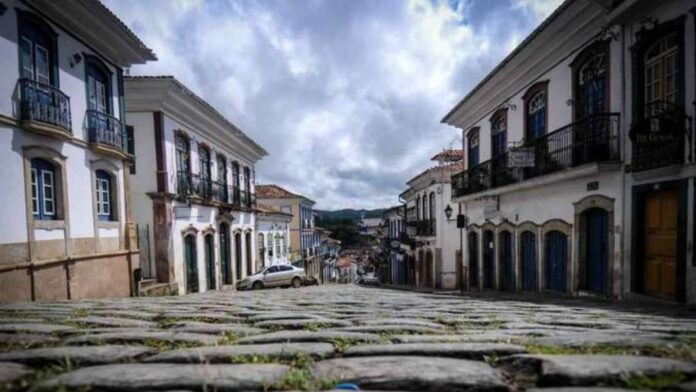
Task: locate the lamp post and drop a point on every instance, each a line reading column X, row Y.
column 448, row 212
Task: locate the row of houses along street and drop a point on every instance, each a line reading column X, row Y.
column 125, row 185
column 576, row 172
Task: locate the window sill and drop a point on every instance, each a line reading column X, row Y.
column 108, row 224
column 49, row 224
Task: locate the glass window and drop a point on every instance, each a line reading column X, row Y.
column 285, row 268
column 661, row 70
column 98, row 86
column 43, row 189
column 498, row 135
column 182, row 153
column 35, row 53
column 473, row 149
column 104, row 199
column 536, row 115
column 269, row 244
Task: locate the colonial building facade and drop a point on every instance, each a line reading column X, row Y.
column 273, row 231
column 579, row 159
column 192, row 185
column 65, row 205
column 302, row 236
column 435, row 242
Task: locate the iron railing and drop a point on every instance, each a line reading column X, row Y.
column 189, row 184
column 221, row 192
column 592, row 139
column 44, row 103
column 425, row 227
column 103, row 128
column 658, row 136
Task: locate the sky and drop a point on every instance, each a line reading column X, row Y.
column 345, row 95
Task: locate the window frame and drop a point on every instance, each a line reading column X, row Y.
column 33, row 29
column 586, row 55
column 96, row 71
column 474, row 133
column 104, row 187
column 499, row 116
column 39, row 167
column 528, row 98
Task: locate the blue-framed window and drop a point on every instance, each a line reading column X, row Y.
column 44, row 188
column 98, row 79
column 37, row 50
column 105, row 202
column 536, row 115
column 498, row 134
column 473, row 148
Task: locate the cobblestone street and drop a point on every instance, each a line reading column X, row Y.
column 316, row 337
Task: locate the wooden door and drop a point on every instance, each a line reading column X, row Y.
column 528, row 261
column 596, row 252
column 210, row 262
column 488, row 260
column 473, row 260
column 505, row 256
column 556, row 260
column 660, row 256
column 191, row 264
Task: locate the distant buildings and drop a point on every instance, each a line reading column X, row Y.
column 273, row 231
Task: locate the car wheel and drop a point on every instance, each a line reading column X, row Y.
column 296, row 283
column 257, row 286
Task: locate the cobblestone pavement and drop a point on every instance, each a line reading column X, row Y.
column 316, row 337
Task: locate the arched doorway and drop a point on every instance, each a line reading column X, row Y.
column 528, row 260
column 556, row 257
column 209, row 244
column 250, row 267
column 595, row 269
column 505, row 261
column 262, row 250
column 473, row 260
column 238, row 255
column 488, row 260
column 190, row 264
column 225, row 265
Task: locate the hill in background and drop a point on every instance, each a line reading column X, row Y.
column 349, row 213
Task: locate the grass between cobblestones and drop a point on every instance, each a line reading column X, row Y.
column 678, row 351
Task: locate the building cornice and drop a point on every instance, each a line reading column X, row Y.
column 573, row 25
column 149, row 94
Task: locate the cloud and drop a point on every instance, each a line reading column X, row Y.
column 346, row 95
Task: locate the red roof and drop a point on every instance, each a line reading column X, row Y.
column 449, row 155
column 273, row 191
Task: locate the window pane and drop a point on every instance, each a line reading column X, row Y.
column 42, row 71
column 34, row 193
column 26, row 59
column 48, row 199
column 91, row 93
column 100, row 91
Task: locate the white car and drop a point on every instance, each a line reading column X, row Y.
column 369, row 279
column 273, row 276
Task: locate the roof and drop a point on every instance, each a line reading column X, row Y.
column 344, row 262
column 95, row 23
column 452, row 168
column 270, row 210
column 272, row 191
column 211, row 111
column 449, row 155
column 509, row 57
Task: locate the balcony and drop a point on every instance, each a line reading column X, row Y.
column 193, row 185
column 424, row 228
column 592, row 139
column 658, row 138
column 221, row 192
column 236, row 195
column 104, row 131
column 44, row 108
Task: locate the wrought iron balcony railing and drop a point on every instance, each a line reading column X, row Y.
column 592, row 139
column 221, row 192
column 236, row 195
column 103, row 128
column 658, row 137
column 44, row 103
column 425, row 228
column 189, row 184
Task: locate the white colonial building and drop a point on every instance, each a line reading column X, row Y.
column 579, row 159
column 273, row 231
column 64, row 161
column 192, row 187
column 435, row 241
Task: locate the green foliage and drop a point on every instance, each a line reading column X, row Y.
column 655, row 383
column 228, row 337
column 166, row 345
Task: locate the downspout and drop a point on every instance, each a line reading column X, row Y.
column 624, row 142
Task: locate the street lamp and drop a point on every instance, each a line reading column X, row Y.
column 448, row 212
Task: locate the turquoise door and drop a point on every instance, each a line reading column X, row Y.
column 191, row 264
column 210, row 261
column 528, row 260
column 225, row 253
column 556, row 260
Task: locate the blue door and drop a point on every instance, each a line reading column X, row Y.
column 596, row 252
column 488, row 260
column 528, row 260
column 473, row 260
column 506, row 270
column 556, row 260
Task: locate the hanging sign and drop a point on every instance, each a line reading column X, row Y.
column 521, row 157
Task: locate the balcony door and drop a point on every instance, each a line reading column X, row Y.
column 36, row 50
column 591, row 85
